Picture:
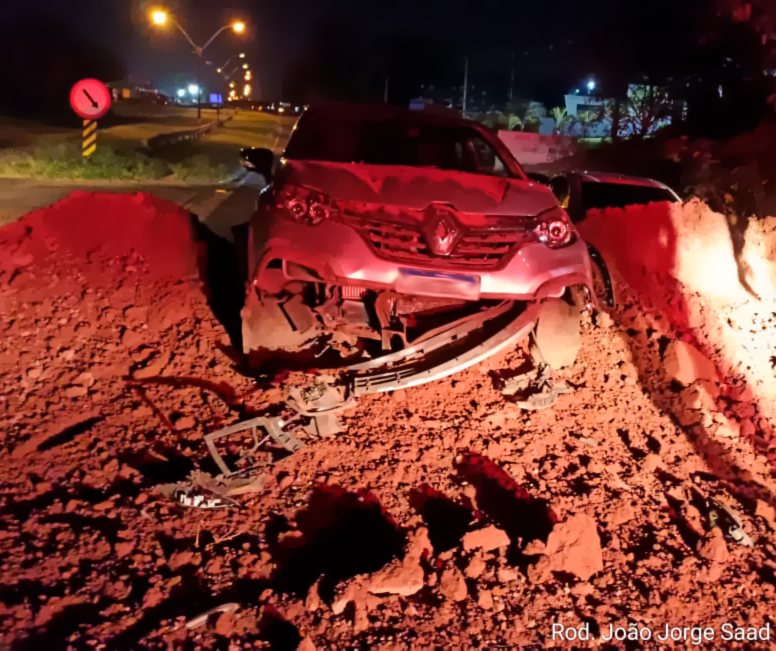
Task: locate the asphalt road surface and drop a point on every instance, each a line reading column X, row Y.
column 221, row 206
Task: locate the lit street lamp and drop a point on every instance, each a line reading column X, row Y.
column 220, row 70
column 159, row 17
column 181, row 92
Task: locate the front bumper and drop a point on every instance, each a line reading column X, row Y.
column 337, row 254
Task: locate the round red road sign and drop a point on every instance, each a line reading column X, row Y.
column 90, row 99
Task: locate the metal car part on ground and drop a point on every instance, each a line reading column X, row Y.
column 723, row 516
column 315, row 412
column 535, row 390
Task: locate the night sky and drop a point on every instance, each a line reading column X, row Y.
column 552, row 45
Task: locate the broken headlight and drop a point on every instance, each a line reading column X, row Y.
column 304, row 206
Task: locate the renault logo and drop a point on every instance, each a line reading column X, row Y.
column 442, row 231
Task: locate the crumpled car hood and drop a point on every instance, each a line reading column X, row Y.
column 415, row 188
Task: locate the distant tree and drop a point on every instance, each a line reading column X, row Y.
column 514, row 123
column 646, row 107
column 560, row 115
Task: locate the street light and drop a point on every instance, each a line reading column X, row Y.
column 226, row 63
column 160, row 17
column 591, row 85
column 181, row 92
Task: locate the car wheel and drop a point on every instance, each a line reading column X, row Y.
column 603, row 285
column 556, row 338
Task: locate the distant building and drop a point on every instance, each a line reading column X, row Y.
column 130, row 91
column 646, row 110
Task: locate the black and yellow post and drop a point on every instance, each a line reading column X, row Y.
column 90, row 138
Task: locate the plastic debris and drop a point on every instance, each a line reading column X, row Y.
column 724, row 517
column 534, row 390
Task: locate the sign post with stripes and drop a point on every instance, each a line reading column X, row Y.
column 90, row 99
column 90, row 138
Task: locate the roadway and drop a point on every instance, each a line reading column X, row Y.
column 220, row 206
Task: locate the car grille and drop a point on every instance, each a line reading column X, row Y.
column 478, row 249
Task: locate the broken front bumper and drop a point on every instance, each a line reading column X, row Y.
column 337, row 254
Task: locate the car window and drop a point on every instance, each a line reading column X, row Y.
column 394, row 142
column 486, row 160
column 619, row 195
column 560, row 188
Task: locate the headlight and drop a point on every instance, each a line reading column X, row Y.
column 305, row 206
column 554, row 228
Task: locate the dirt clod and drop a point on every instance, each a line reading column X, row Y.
column 575, row 548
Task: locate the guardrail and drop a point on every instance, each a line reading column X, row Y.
column 190, row 135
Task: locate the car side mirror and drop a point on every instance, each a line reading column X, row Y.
column 259, row 160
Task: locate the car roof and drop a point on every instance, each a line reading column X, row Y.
column 622, row 179
column 387, row 112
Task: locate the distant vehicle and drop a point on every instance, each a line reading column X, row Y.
column 279, row 108
column 580, row 191
column 381, row 226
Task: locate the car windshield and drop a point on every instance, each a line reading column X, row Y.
column 619, row 195
column 394, row 142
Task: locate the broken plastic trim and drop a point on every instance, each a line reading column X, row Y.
column 272, row 426
column 423, row 371
column 437, row 338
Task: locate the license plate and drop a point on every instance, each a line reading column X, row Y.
column 438, row 283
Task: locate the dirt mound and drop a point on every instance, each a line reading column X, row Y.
column 87, row 227
column 444, row 515
column 685, row 263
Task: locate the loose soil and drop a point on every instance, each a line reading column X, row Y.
column 444, row 515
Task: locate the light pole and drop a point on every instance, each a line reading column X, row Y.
column 160, row 17
column 220, row 69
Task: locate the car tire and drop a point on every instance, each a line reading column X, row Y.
column 556, row 338
column 603, row 284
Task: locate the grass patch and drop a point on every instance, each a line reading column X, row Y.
column 64, row 161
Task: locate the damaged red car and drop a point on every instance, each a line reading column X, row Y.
column 411, row 243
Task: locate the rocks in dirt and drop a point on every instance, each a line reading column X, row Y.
column 179, row 559
column 651, row 463
column 406, row 577
column 476, row 567
column 622, row 514
column 574, row 547
column 767, row 512
column 452, row 585
column 486, row 539
column 686, row 364
column 485, row 599
column 540, row 571
column 506, row 575
column 714, row 550
column 185, row 422
column 154, row 368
